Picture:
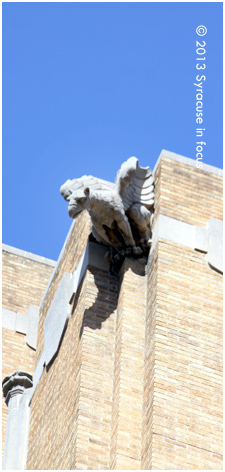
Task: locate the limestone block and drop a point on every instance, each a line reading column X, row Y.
column 56, row 319
column 208, row 240
column 93, row 256
column 32, row 326
column 8, row 319
column 38, row 371
column 14, row 321
column 173, row 230
column 200, row 239
column 21, row 323
column 78, row 274
column 215, row 244
column 97, row 256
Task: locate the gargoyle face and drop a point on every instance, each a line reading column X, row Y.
column 77, row 199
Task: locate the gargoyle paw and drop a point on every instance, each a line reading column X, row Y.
column 137, row 251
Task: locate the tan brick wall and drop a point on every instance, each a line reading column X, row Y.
column 96, row 375
column 186, row 193
column 23, row 284
column 67, row 385
column 141, row 387
column 54, row 408
column 72, row 405
column 183, row 397
column 149, row 363
column 182, row 412
column 71, row 256
column 129, row 366
column 76, row 399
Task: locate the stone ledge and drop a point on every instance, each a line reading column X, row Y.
column 188, row 162
column 28, row 255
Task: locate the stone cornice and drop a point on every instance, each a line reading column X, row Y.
column 28, row 255
column 187, row 161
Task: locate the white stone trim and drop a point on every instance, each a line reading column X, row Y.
column 58, row 261
column 78, row 274
column 28, row 255
column 14, row 321
column 188, row 162
column 215, row 244
column 56, row 319
column 32, row 326
column 92, row 256
column 23, row 323
column 38, row 371
column 59, row 311
column 172, row 230
column 208, row 240
column 200, row 239
column 9, row 319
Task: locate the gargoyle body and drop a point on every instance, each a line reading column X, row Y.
column 121, row 213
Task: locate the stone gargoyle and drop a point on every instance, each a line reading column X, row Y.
column 121, row 213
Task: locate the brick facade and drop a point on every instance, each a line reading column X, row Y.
column 137, row 380
column 126, row 441
column 183, row 394
column 186, row 193
column 182, row 426
column 23, row 284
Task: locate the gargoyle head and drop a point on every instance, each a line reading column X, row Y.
column 78, row 199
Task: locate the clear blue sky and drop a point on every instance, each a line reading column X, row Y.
column 86, row 86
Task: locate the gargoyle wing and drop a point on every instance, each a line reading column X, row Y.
column 82, row 183
column 135, row 184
